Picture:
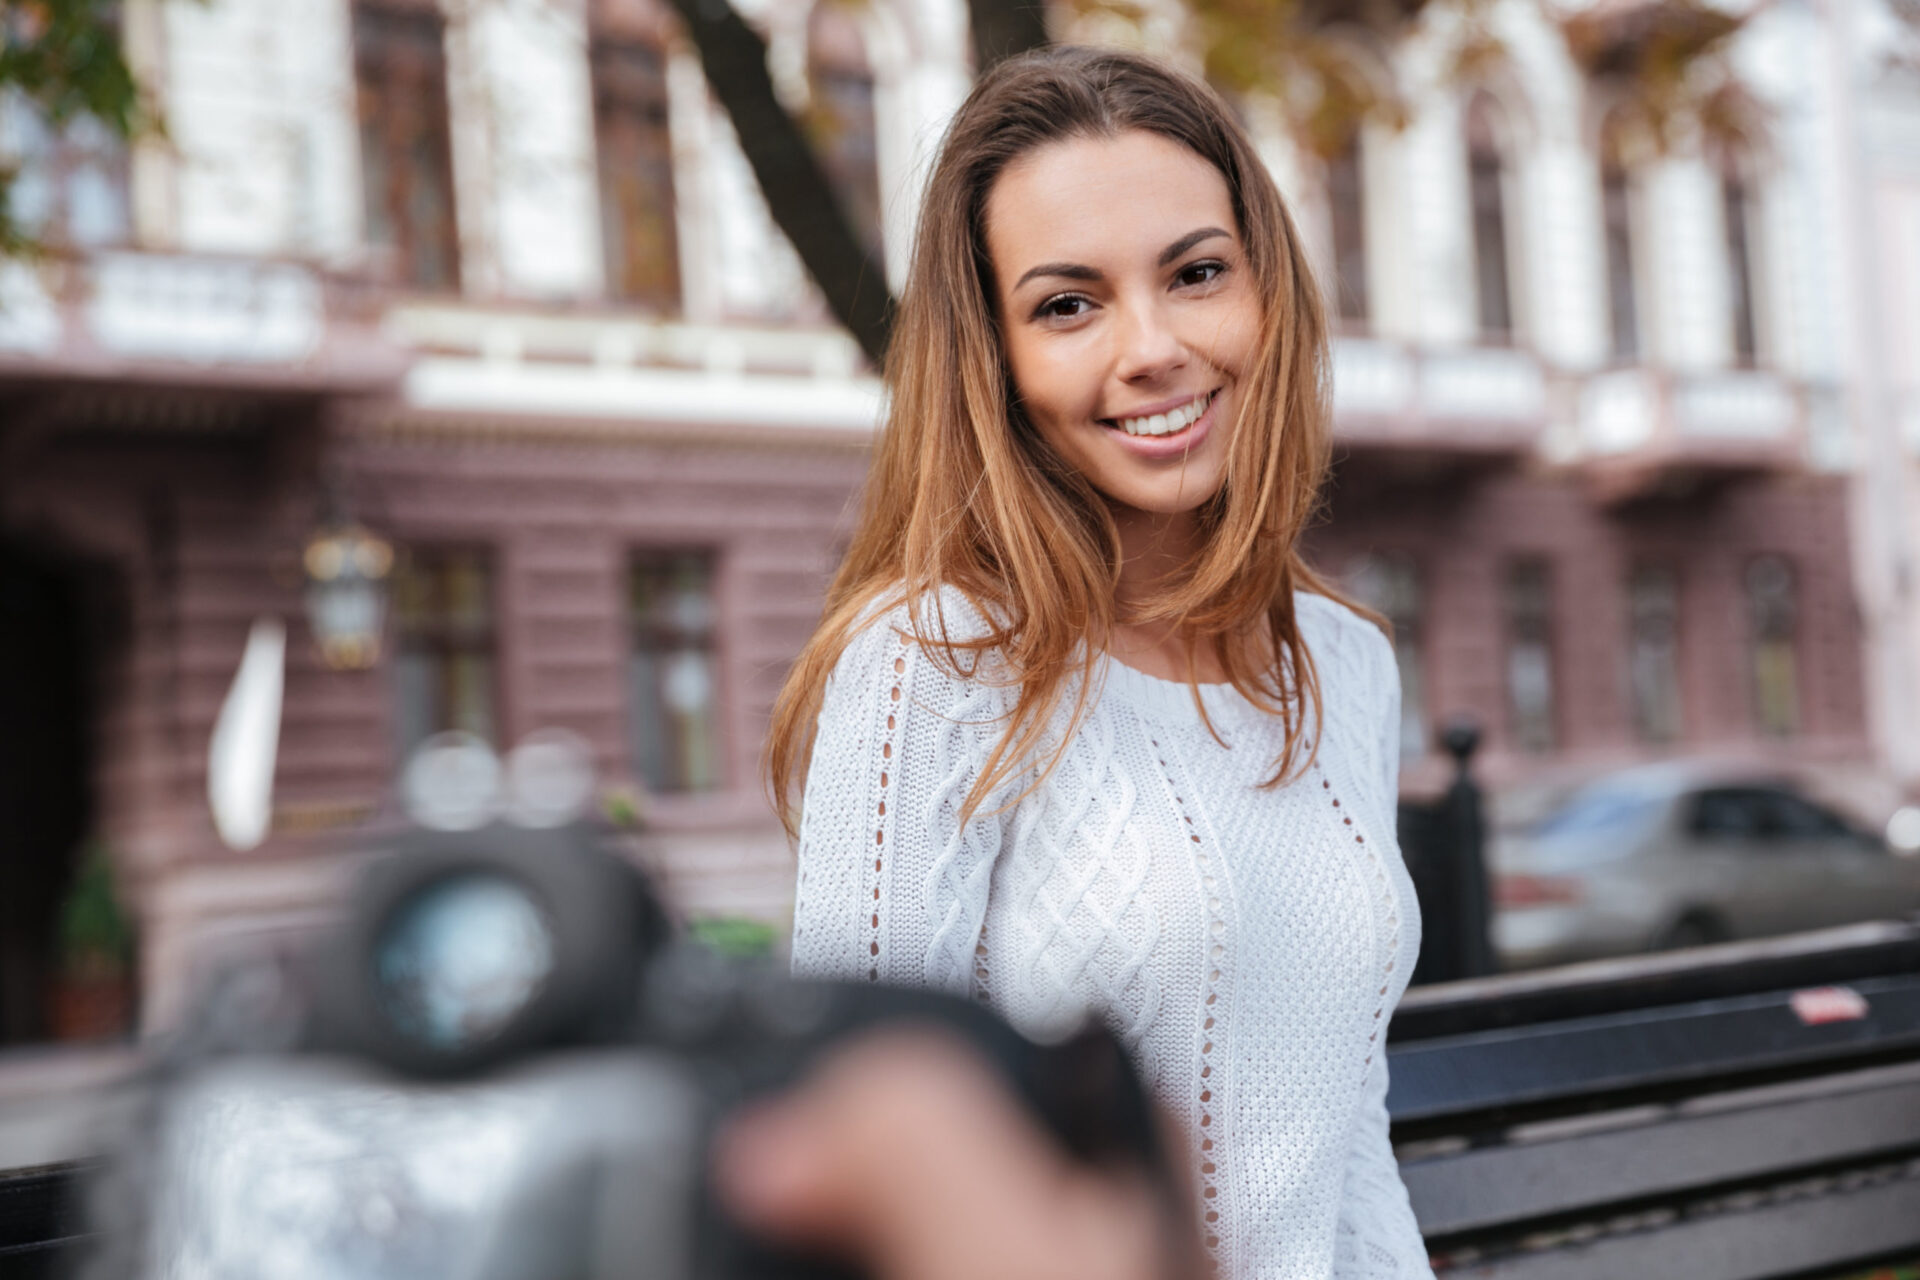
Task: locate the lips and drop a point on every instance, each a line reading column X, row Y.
column 1166, row 422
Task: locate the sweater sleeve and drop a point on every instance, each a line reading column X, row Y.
column 892, row 884
column 1377, row 1237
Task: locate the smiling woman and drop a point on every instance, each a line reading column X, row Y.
column 1081, row 733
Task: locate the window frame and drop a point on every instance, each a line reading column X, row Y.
column 1348, row 243
column 58, row 164
column 1518, row 738
column 1794, row 724
column 843, row 57
column 1739, row 223
column 604, row 46
column 725, row 780
column 1675, row 650
column 1484, row 121
column 402, row 260
column 1622, row 251
column 441, row 645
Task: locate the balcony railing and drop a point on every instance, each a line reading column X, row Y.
column 186, row 318
column 1466, row 399
column 1738, row 417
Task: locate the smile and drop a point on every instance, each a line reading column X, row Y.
column 1169, row 423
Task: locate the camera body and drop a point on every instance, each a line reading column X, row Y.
column 504, row 1065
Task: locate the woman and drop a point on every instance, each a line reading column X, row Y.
column 1081, row 731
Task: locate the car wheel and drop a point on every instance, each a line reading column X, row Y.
column 1691, row 931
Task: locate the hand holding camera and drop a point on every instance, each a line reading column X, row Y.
column 504, row 1066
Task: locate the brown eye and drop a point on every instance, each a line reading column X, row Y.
column 1199, row 273
column 1066, row 306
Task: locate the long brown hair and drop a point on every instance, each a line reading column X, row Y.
column 964, row 494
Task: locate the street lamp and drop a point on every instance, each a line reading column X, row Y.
column 347, row 569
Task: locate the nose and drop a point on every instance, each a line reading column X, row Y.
column 1146, row 346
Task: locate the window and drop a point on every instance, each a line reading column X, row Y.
column 1737, row 207
column 1653, row 651
column 1616, row 214
column 636, row 173
column 1772, row 621
column 673, row 674
column 444, row 664
column 1346, row 205
column 1389, row 584
column 1729, row 814
column 1763, row 813
column 70, row 182
column 407, row 165
column 1487, row 183
column 1530, row 676
column 841, row 118
column 1800, row 819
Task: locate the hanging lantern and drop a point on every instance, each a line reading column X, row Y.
column 347, row 570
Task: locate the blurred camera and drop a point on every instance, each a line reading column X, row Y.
column 504, row 1065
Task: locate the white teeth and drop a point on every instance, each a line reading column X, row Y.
column 1161, row 424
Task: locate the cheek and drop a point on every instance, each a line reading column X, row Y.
column 1052, row 387
column 1240, row 338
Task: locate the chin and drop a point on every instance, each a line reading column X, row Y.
column 1156, row 500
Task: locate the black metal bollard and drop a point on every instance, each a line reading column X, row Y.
column 1444, row 844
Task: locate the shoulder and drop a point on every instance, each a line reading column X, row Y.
column 938, row 637
column 1352, row 659
column 1339, row 637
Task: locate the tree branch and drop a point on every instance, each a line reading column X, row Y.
column 790, row 177
column 1004, row 28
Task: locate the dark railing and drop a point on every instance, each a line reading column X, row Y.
column 1735, row 1113
column 1444, row 844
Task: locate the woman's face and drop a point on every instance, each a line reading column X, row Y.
column 1129, row 312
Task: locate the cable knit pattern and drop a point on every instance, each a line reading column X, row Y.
column 1248, row 944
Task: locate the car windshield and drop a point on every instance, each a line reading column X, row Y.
column 1602, row 808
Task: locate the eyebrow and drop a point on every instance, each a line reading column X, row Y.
column 1074, row 271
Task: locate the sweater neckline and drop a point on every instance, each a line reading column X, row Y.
column 1172, row 700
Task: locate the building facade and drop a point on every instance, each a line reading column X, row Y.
column 493, row 277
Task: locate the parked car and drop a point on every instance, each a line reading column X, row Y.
column 1673, row 856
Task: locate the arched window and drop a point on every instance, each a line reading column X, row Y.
column 1738, row 215
column 1347, row 210
column 635, row 151
column 1388, row 582
column 841, row 117
column 1487, row 188
column 1616, row 214
column 1773, row 610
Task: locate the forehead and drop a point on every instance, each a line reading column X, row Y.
column 1101, row 201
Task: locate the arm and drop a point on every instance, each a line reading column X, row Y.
column 892, row 885
column 1377, row 1237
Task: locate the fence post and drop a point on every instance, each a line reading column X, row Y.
column 1444, row 846
column 1465, row 846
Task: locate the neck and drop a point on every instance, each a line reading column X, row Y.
column 1156, row 551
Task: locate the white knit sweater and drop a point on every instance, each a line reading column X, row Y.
column 1248, row 944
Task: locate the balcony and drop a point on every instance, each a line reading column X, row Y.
column 1460, row 404
column 178, row 322
column 1644, row 433
column 612, row 372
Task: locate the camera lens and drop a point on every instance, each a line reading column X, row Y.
column 460, row 958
